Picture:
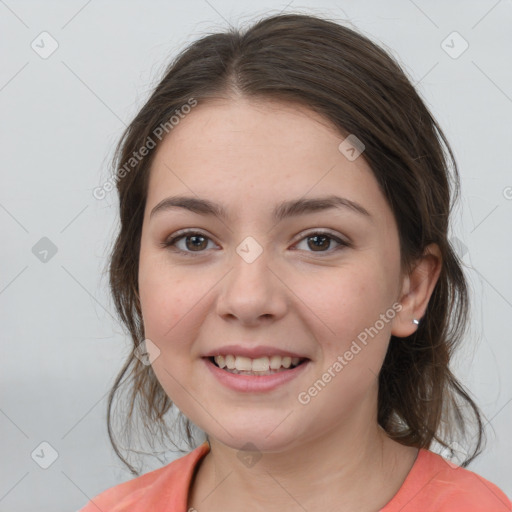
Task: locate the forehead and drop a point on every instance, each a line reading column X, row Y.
column 251, row 124
column 238, row 151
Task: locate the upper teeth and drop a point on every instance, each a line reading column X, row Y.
column 261, row 364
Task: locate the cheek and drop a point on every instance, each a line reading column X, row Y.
column 345, row 297
column 162, row 303
column 169, row 322
column 163, row 298
column 173, row 302
column 347, row 305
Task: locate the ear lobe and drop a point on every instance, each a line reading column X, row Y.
column 416, row 291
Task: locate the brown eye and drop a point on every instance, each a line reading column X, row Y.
column 191, row 241
column 321, row 242
column 196, row 242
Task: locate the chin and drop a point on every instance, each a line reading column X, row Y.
column 253, row 439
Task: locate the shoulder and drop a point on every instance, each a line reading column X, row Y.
column 435, row 484
column 167, row 485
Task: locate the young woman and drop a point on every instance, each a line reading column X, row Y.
column 283, row 260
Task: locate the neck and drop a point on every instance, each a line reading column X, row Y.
column 353, row 467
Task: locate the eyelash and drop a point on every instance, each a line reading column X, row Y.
column 184, row 234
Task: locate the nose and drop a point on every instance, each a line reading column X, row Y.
column 252, row 292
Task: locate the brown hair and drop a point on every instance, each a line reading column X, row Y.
column 362, row 90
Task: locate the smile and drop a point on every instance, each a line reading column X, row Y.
column 266, row 377
column 265, row 365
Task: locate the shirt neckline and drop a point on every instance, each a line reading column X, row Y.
column 411, row 480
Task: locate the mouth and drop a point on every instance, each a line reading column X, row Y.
column 261, row 366
column 261, row 375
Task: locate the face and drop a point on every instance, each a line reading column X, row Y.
column 319, row 283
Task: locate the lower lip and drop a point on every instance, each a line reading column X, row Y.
column 254, row 383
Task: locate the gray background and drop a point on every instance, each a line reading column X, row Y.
column 61, row 115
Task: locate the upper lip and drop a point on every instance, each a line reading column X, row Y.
column 252, row 352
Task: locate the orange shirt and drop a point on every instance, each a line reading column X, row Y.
column 432, row 485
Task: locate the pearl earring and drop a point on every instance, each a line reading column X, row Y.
column 415, row 321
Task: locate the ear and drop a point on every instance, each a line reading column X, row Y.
column 417, row 287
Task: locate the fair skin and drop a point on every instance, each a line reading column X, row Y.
column 329, row 454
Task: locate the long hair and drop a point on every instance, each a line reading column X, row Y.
column 340, row 74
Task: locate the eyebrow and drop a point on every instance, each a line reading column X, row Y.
column 283, row 210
